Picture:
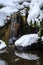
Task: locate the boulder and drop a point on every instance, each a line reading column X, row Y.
column 2, row 45
column 29, row 42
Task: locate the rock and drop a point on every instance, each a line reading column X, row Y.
column 29, row 42
column 20, row 48
column 11, row 41
column 2, row 45
column 34, row 46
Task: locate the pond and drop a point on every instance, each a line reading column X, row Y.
column 12, row 57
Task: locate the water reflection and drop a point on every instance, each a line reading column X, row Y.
column 3, row 51
column 12, row 57
column 28, row 56
column 2, row 62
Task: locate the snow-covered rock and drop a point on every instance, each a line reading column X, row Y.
column 26, row 4
column 9, row 10
column 3, row 16
column 11, row 2
column 29, row 42
column 6, row 11
column 27, row 56
column 2, row 45
column 26, row 40
column 12, row 6
column 6, row 2
column 35, row 12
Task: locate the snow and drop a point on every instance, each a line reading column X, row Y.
column 35, row 12
column 26, row 4
column 7, row 11
column 2, row 62
column 2, row 44
column 9, row 8
column 3, row 16
column 27, row 56
column 11, row 2
column 26, row 40
column 23, row 12
column 1, row 22
column 21, row 7
column 42, row 38
column 20, row 1
column 13, row 6
column 6, row 2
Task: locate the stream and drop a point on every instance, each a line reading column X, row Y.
column 12, row 57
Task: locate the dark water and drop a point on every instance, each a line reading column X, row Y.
column 12, row 57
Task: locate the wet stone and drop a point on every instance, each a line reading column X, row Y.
column 34, row 46
column 11, row 40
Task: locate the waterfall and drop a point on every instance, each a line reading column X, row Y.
column 12, row 37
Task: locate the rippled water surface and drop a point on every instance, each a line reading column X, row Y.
column 12, row 57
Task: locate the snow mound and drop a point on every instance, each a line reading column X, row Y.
column 10, row 7
column 2, row 45
column 7, row 11
column 6, row 2
column 11, row 2
column 35, row 12
column 26, row 40
column 3, row 16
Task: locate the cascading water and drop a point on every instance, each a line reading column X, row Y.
column 12, row 37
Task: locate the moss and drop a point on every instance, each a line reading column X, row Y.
column 41, row 23
column 40, row 32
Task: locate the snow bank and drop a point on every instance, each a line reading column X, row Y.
column 2, row 19
column 6, row 2
column 9, row 8
column 35, row 12
column 7, row 11
column 26, row 40
column 11, row 2
column 27, row 56
column 2, row 45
